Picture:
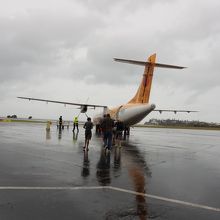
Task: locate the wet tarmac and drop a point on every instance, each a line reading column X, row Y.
column 156, row 174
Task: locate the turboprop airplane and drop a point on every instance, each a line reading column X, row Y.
column 138, row 107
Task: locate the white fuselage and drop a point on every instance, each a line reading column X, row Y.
column 130, row 114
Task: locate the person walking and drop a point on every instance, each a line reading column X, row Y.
column 107, row 127
column 75, row 124
column 60, row 122
column 119, row 130
column 88, row 133
column 102, row 129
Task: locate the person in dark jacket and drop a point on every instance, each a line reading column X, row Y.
column 119, row 130
column 60, row 122
column 107, row 126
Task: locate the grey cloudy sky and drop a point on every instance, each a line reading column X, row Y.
column 63, row 50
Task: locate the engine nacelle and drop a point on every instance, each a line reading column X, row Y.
column 83, row 109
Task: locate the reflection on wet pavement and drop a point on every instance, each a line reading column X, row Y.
column 103, row 168
column 85, row 168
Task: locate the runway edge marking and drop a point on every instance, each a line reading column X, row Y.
column 111, row 188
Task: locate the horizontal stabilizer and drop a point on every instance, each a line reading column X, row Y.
column 142, row 63
column 172, row 110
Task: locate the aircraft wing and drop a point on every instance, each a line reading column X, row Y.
column 81, row 105
column 172, row 110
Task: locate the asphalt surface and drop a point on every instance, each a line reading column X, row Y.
column 156, row 174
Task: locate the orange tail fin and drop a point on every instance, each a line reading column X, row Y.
column 143, row 92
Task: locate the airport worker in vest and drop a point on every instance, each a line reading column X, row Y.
column 75, row 124
column 88, row 133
